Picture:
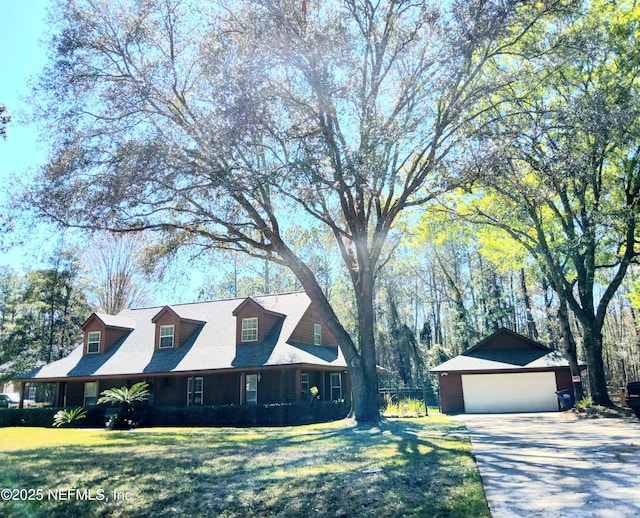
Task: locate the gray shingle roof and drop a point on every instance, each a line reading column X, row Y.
column 116, row 321
column 488, row 356
column 508, row 359
column 211, row 347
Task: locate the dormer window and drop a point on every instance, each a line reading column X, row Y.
column 167, row 334
column 317, row 334
column 174, row 327
column 102, row 332
column 93, row 342
column 254, row 322
column 250, row 329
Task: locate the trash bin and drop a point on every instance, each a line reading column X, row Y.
column 566, row 399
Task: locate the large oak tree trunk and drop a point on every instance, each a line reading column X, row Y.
column 597, row 379
column 365, row 405
column 570, row 349
column 361, row 357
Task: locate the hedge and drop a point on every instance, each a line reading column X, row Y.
column 226, row 415
column 244, row 415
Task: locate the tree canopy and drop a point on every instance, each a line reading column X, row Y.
column 4, row 120
column 561, row 172
column 219, row 124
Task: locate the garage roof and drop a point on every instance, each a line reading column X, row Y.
column 504, row 351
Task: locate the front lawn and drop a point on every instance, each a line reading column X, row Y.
column 416, row 467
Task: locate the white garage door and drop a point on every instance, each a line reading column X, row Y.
column 521, row 392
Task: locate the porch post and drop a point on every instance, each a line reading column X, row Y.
column 298, row 384
column 21, row 404
column 58, row 398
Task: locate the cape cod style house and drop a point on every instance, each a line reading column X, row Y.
column 268, row 349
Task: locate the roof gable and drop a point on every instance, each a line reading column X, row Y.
column 249, row 304
column 111, row 321
column 506, row 339
column 504, row 350
column 176, row 312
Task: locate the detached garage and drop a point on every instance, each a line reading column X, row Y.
column 506, row 372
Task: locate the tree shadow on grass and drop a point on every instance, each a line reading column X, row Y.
column 207, row 473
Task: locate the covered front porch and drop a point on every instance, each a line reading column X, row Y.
column 246, row 387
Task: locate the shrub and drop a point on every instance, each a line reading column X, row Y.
column 124, row 399
column 68, row 417
column 222, row 415
column 27, row 416
column 409, row 407
column 245, row 415
column 584, row 403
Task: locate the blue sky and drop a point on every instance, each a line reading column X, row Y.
column 21, row 55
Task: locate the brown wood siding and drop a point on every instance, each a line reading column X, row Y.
column 269, row 387
column 266, row 322
column 94, row 325
column 167, row 318
column 275, row 386
column 315, row 380
column 282, row 386
column 109, row 336
column 506, row 341
column 185, row 330
column 303, row 333
column 563, row 379
column 170, row 391
column 75, row 393
column 451, row 396
column 112, row 383
column 290, row 379
column 222, row 389
column 112, row 336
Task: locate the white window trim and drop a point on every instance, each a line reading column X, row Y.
column 86, row 396
column 338, row 386
column 172, row 335
column 305, row 382
column 250, row 334
column 247, row 391
column 91, row 342
column 317, row 334
column 192, row 392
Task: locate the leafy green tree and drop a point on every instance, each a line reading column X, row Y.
column 10, row 283
column 222, row 124
column 398, row 348
column 562, row 175
column 44, row 316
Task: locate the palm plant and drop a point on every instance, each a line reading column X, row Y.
column 124, row 398
column 66, row 417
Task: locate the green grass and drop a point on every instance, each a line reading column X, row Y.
column 415, row 467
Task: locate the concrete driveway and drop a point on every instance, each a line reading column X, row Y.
column 557, row 465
